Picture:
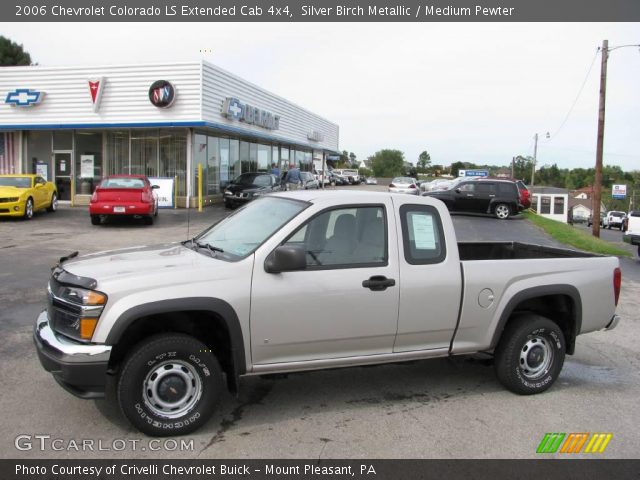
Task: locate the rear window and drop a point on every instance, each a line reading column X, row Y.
column 122, row 183
column 617, row 214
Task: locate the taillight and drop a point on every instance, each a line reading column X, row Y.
column 391, row 185
column 617, row 283
column 94, row 197
column 412, row 185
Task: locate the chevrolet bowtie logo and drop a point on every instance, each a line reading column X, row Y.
column 23, row 97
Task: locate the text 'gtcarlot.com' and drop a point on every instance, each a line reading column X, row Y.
column 26, row 442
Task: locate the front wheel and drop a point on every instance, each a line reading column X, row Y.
column 169, row 385
column 530, row 354
column 502, row 211
column 28, row 209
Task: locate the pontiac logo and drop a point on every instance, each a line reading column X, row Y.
column 95, row 90
column 24, row 97
column 162, row 94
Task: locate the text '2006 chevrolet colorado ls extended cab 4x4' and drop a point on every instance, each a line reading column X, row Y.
column 170, row 323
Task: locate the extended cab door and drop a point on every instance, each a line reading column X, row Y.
column 344, row 304
column 431, row 278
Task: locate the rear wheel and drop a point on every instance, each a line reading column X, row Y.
column 95, row 219
column 28, row 209
column 54, row 203
column 502, row 211
column 169, row 385
column 530, row 354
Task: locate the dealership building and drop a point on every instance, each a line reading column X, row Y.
column 75, row 125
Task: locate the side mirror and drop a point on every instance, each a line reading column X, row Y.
column 286, row 258
column 155, row 187
column 457, row 190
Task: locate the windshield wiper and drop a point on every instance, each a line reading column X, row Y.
column 210, row 248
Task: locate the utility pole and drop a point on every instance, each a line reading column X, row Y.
column 535, row 154
column 597, row 184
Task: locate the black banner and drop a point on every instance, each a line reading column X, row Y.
column 321, row 11
column 314, row 469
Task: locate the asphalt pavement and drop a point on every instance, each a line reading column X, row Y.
column 447, row 408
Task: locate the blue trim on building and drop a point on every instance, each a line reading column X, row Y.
column 186, row 124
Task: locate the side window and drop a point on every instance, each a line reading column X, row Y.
column 507, row 189
column 40, row 181
column 467, row 187
column 345, row 237
column 484, row 188
column 422, row 235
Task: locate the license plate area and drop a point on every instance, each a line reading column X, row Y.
column 118, row 209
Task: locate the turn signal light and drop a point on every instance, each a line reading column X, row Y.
column 95, row 298
column 87, row 326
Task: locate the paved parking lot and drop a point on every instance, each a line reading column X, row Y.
column 432, row 409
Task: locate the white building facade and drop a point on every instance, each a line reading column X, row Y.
column 76, row 125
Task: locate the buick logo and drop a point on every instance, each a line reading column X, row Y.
column 162, row 94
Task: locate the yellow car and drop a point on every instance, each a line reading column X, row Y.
column 21, row 195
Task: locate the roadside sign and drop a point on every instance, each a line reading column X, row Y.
column 473, row 173
column 619, row 191
column 165, row 192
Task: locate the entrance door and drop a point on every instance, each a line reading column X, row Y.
column 62, row 174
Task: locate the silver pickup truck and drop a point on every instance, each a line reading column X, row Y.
column 171, row 324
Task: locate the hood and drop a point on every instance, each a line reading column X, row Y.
column 135, row 263
column 11, row 191
column 244, row 188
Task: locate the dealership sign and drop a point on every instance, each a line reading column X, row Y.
column 24, row 97
column 165, row 192
column 162, row 94
column 473, row 173
column 315, row 136
column 95, row 91
column 234, row 109
column 619, row 191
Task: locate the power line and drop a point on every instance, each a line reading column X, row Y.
column 577, row 96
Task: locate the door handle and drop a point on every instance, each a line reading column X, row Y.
column 378, row 283
column 469, row 194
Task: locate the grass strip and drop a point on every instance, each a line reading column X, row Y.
column 568, row 235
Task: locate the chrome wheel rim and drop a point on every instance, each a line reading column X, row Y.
column 54, row 203
column 171, row 389
column 536, row 357
column 502, row 211
column 29, row 209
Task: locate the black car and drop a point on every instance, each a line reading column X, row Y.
column 497, row 197
column 248, row 186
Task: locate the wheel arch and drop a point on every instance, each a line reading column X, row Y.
column 561, row 304
column 213, row 321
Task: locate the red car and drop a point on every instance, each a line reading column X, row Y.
column 124, row 195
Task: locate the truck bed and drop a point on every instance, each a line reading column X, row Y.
column 513, row 251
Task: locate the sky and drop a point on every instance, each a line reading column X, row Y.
column 475, row 92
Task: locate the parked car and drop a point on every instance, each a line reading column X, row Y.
column 23, row 195
column 523, row 192
column 124, row 196
column 613, row 219
column 632, row 233
column 309, row 181
column 322, row 177
column 498, row 197
column 352, row 176
column 371, row 181
column 171, row 325
column 249, row 186
column 337, row 178
column 404, row 185
column 590, row 219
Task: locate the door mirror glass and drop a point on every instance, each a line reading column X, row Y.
column 286, row 258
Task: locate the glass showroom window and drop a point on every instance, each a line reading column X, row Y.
column 88, row 162
column 234, row 158
column 213, row 176
column 264, row 158
column 117, row 154
column 38, row 152
column 173, row 157
column 144, row 152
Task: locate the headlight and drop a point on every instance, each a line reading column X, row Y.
column 228, row 192
column 80, row 296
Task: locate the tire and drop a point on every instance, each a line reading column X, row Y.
column 28, row 209
column 502, row 211
column 228, row 205
column 148, row 220
column 191, row 375
column 95, row 219
column 533, row 372
column 53, row 207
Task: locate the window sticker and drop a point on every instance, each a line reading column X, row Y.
column 423, row 231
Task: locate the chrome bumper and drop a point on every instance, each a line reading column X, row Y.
column 81, row 369
column 613, row 323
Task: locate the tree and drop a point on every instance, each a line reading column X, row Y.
column 12, row 54
column 387, row 163
column 522, row 168
column 424, row 160
column 352, row 159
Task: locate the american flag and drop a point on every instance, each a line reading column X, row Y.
column 7, row 153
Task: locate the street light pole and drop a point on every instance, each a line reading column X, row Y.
column 597, row 183
column 535, row 154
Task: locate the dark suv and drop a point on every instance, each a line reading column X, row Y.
column 498, row 197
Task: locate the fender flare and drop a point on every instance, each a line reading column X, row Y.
column 213, row 305
column 559, row 289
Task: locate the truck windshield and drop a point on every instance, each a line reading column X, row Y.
column 240, row 234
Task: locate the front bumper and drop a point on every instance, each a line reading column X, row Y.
column 12, row 209
column 79, row 368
